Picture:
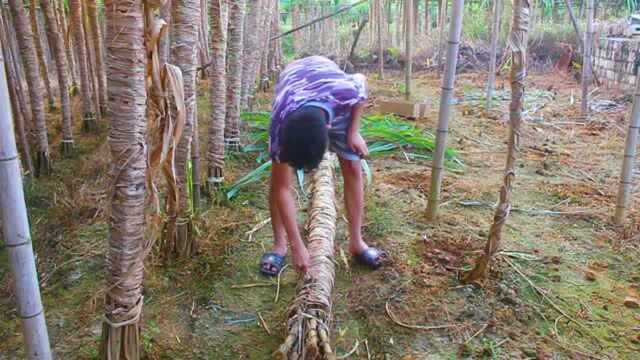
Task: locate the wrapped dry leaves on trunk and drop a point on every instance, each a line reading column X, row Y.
column 518, row 44
column 184, row 39
column 217, row 91
column 309, row 315
column 127, row 114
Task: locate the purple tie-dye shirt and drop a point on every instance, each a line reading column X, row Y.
column 316, row 81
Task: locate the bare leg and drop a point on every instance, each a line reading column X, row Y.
column 279, row 232
column 354, row 203
column 283, row 215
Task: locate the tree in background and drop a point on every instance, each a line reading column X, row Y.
column 91, row 62
column 57, row 45
column 68, row 46
column 251, row 48
column 42, row 60
column 586, row 60
column 495, row 34
column 235, row 58
column 34, row 84
column 98, row 46
column 217, row 96
column 88, row 114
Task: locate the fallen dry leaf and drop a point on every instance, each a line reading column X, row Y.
column 631, row 302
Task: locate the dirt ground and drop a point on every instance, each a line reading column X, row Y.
column 556, row 291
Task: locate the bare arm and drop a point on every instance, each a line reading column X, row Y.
column 354, row 139
column 356, row 114
column 281, row 178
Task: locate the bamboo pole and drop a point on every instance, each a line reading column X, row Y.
column 495, row 34
column 408, row 47
column 448, row 82
column 518, row 43
column 626, row 177
column 586, row 59
column 310, row 313
column 15, row 227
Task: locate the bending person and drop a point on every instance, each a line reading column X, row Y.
column 316, row 106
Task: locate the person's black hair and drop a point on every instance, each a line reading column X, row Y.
column 304, row 138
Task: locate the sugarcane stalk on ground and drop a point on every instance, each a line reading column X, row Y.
column 518, row 44
column 310, row 313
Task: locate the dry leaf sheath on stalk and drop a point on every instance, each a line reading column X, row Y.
column 518, row 45
column 310, row 313
column 165, row 93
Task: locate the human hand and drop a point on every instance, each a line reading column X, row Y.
column 356, row 143
column 301, row 259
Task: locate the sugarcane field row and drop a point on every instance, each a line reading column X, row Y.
column 319, row 179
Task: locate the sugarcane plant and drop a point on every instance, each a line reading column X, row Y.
column 518, row 46
column 309, row 315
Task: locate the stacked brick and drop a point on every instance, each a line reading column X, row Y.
column 616, row 61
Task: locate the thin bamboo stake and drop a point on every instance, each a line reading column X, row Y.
column 574, row 23
column 495, row 34
column 628, row 164
column 586, row 59
column 408, row 47
column 15, row 227
column 380, row 44
column 518, row 44
column 445, row 108
column 310, row 313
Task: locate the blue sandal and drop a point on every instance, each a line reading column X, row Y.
column 372, row 258
column 271, row 264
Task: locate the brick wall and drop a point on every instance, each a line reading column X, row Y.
column 616, row 62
